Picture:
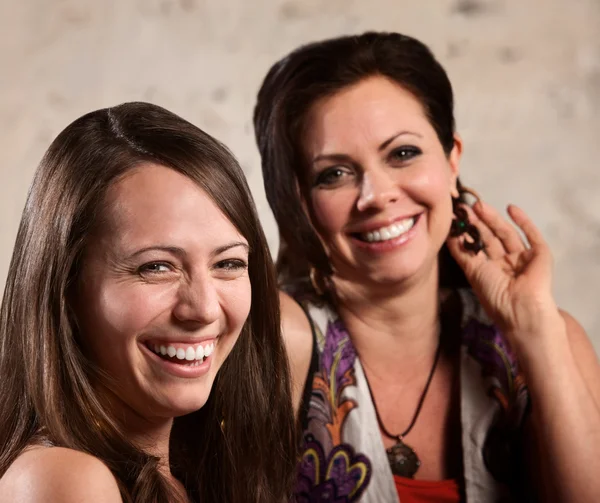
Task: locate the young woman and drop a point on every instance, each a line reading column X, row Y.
column 438, row 367
column 140, row 349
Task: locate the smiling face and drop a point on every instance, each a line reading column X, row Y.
column 164, row 292
column 379, row 182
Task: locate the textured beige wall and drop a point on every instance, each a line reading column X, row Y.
column 526, row 75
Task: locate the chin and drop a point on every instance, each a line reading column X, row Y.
column 181, row 403
column 392, row 269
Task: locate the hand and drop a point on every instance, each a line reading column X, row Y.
column 513, row 280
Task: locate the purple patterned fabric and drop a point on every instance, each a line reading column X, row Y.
column 338, row 356
column 340, row 477
column 330, row 471
column 487, row 345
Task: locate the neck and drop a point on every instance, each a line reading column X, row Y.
column 392, row 324
column 150, row 434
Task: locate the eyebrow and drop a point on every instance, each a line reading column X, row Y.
column 383, row 146
column 386, row 143
column 224, row 248
column 175, row 250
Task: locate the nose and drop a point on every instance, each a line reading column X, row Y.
column 377, row 190
column 198, row 302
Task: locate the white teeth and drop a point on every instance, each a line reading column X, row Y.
column 389, row 232
column 189, row 353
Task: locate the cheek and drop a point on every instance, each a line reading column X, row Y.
column 432, row 189
column 236, row 298
column 433, row 186
column 331, row 209
column 115, row 315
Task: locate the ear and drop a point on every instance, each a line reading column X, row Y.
column 454, row 163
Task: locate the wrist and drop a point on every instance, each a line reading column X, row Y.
column 545, row 337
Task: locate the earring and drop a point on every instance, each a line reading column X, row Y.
column 461, row 224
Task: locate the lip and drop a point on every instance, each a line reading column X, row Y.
column 378, row 224
column 187, row 341
column 176, row 369
column 391, row 244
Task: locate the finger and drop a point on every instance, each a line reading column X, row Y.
column 503, row 230
column 532, row 233
column 493, row 246
column 467, row 261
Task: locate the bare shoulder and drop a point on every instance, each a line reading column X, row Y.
column 297, row 333
column 42, row 474
column 584, row 354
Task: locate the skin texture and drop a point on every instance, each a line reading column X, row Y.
column 165, row 263
column 388, row 299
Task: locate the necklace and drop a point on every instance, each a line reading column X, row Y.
column 402, row 457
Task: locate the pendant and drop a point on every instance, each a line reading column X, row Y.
column 403, row 460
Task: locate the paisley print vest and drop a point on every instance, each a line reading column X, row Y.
column 343, row 457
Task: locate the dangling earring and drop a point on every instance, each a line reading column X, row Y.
column 462, row 225
column 317, row 281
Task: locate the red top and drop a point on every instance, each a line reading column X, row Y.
column 427, row 491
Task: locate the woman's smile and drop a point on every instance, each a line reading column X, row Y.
column 385, row 238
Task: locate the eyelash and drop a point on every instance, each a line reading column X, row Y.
column 325, row 177
column 146, row 268
column 231, row 265
column 410, row 151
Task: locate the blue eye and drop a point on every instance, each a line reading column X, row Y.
column 405, row 153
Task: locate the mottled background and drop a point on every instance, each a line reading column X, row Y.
column 526, row 76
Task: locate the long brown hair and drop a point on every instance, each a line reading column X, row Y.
column 241, row 445
column 292, row 87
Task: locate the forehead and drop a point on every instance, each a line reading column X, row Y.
column 373, row 109
column 153, row 203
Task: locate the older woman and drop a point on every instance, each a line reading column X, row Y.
column 433, row 363
column 140, row 349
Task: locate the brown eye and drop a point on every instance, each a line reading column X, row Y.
column 231, row 265
column 405, row 153
column 331, row 176
column 155, row 268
